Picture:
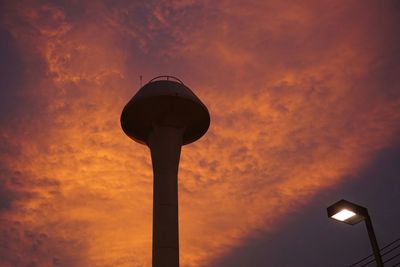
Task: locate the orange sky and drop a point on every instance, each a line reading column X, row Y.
column 300, row 96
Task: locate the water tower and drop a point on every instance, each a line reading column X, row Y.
column 164, row 115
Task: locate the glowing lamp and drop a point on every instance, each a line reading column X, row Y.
column 343, row 215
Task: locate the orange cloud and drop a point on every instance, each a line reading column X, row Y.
column 293, row 112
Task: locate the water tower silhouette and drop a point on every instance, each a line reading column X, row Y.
column 164, row 115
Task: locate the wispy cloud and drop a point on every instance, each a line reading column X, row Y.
column 300, row 96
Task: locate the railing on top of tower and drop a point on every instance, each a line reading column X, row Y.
column 165, row 77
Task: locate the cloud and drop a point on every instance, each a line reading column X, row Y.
column 301, row 97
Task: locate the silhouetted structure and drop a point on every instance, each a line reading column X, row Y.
column 164, row 115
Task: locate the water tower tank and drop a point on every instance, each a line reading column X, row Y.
column 166, row 101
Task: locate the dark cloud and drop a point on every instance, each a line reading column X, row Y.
column 306, row 237
column 11, row 79
column 6, row 198
column 23, row 200
column 302, row 96
column 23, row 245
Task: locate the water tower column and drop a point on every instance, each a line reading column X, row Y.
column 165, row 145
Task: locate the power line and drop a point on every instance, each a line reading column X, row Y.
column 383, row 254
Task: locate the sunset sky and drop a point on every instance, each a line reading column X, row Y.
column 304, row 98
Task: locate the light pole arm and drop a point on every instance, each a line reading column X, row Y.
column 374, row 242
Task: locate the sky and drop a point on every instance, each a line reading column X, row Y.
column 305, row 110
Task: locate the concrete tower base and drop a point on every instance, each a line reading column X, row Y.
column 165, row 146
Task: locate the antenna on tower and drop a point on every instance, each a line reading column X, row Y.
column 141, row 79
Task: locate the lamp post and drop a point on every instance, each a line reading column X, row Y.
column 350, row 213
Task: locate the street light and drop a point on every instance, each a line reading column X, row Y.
column 350, row 213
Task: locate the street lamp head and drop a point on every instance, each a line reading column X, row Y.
column 350, row 213
column 347, row 212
